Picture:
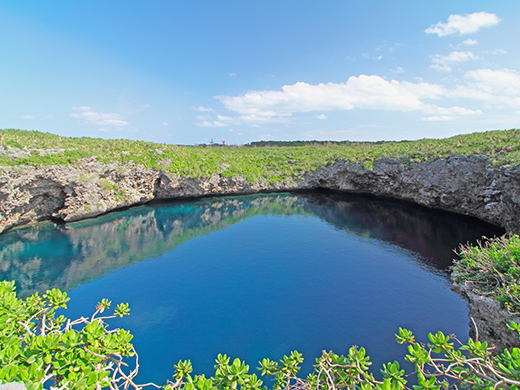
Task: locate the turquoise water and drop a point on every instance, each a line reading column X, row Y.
column 255, row 276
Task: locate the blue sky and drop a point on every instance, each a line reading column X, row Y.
column 186, row 72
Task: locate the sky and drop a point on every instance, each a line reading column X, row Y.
column 189, row 72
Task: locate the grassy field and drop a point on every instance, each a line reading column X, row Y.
column 273, row 163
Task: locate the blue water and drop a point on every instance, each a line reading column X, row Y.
column 255, row 276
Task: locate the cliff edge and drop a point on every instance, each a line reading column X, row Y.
column 465, row 185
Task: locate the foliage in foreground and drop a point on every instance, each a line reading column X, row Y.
column 39, row 349
column 492, row 269
column 277, row 163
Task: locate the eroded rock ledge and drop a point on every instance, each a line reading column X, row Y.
column 465, row 185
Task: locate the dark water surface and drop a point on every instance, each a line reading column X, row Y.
column 255, row 276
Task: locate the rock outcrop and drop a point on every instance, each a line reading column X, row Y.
column 465, row 185
column 489, row 321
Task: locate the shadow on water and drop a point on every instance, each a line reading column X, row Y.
column 255, row 276
column 434, row 234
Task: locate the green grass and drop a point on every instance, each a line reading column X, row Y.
column 492, row 269
column 272, row 163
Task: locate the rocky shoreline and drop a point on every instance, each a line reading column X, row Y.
column 465, row 185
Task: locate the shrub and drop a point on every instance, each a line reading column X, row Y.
column 492, row 269
column 38, row 348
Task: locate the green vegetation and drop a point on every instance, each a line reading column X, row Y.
column 271, row 163
column 40, row 349
column 492, row 269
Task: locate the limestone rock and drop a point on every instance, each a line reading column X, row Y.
column 490, row 320
column 466, row 185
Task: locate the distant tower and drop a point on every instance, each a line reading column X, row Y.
column 223, row 142
column 212, row 141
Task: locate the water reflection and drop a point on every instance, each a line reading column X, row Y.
column 433, row 234
column 63, row 256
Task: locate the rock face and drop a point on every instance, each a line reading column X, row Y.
column 490, row 320
column 465, row 185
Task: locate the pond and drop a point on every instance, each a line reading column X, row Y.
column 255, row 276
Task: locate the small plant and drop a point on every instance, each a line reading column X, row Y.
column 492, row 268
column 107, row 186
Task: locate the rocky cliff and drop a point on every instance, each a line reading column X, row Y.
column 466, row 185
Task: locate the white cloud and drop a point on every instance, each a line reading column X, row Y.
column 450, row 113
column 441, row 68
column 462, row 25
column 440, row 62
column 26, row 117
column 399, row 70
column 82, row 108
column 368, row 92
column 223, row 118
column 89, row 115
column 495, row 88
column 438, row 118
column 470, row 42
column 203, row 109
column 489, row 88
column 232, row 74
column 498, row 51
column 211, row 124
column 453, row 111
column 358, row 92
column 503, row 81
column 165, row 123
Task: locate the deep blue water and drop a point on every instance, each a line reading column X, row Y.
column 255, row 276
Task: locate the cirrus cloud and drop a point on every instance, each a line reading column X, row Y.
column 462, row 25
